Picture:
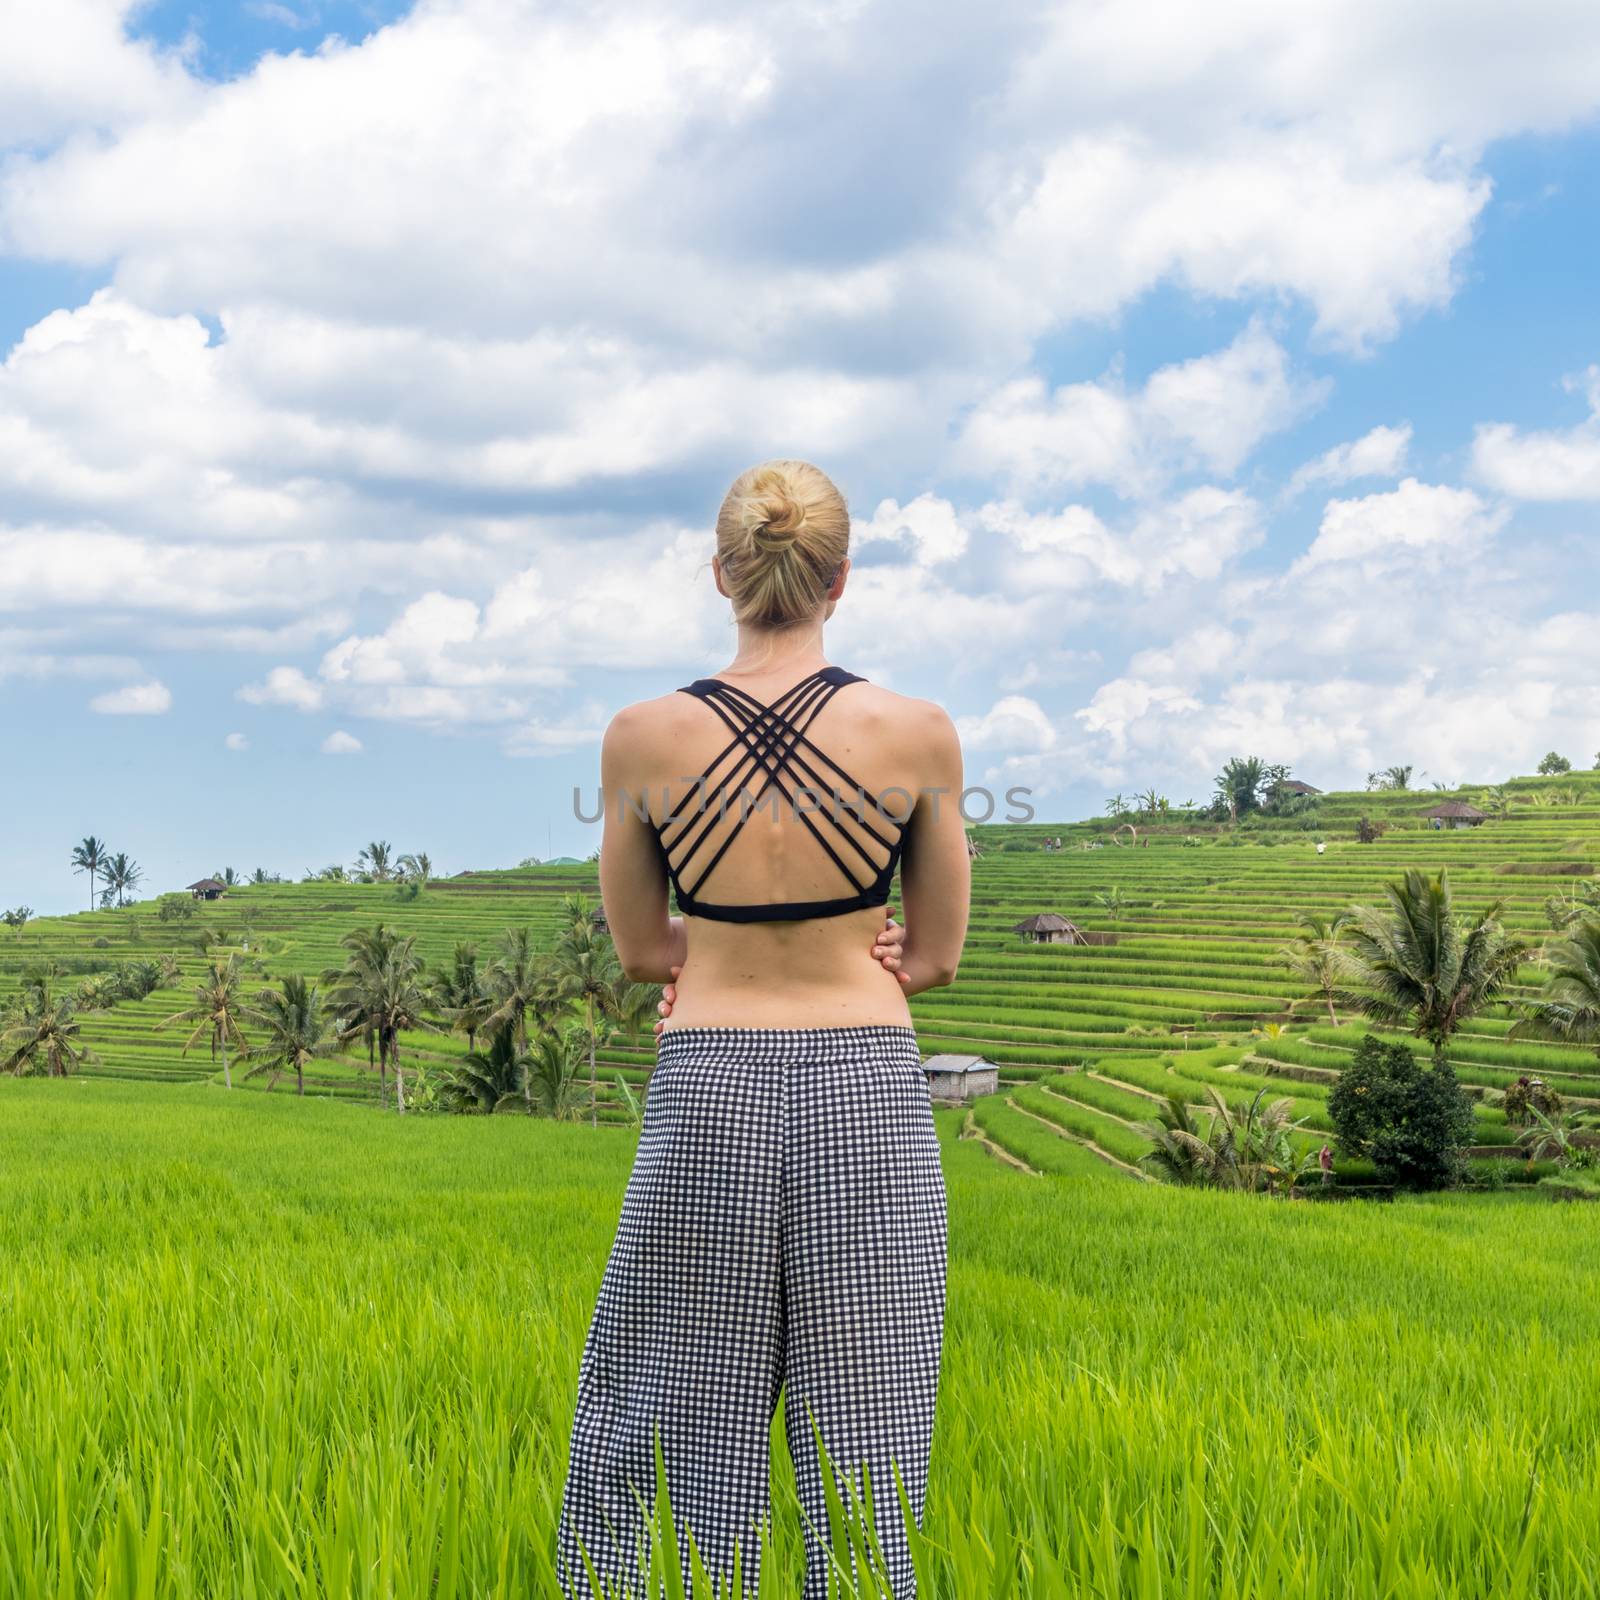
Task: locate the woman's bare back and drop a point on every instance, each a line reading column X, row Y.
column 868, row 773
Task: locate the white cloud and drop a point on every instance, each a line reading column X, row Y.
column 1207, row 414
column 929, row 524
column 1380, row 453
column 284, row 686
column 236, row 741
column 1013, row 723
column 1548, row 464
column 340, row 743
column 1430, row 524
column 134, row 700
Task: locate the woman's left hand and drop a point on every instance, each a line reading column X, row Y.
column 887, row 949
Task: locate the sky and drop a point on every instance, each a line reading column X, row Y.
column 1202, row 382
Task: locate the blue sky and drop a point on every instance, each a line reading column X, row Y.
column 374, row 373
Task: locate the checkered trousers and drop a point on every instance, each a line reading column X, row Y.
column 782, row 1231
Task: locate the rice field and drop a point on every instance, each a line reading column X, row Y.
column 255, row 1346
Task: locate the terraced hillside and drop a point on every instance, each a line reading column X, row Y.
column 1186, row 990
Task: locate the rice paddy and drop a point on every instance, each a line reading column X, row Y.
column 258, row 1345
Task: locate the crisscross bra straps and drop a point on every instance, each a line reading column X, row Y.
column 771, row 761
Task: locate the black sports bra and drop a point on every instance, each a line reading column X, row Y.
column 771, row 739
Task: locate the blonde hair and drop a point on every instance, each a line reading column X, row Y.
column 782, row 534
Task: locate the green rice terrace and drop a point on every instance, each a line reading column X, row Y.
column 254, row 1344
column 1183, row 987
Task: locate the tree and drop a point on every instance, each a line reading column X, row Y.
column 1368, row 831
column 374, row 861
column 1249, row 1147
column 1244, row 784
column 417, row 867
column 1413, row 1124
column 1313, row 956
column 459, row 996
column 1417, row 965
column 493, row 1079
column 585, row 970
column 553, row 1064
column 1570, row 1010
column 1554, row 765
column 40, row 1033
column 216, row 1011
column 18, row 917
column 90, row 857
column 1112, row 902
column 518, row 981
column 228, row 876
column 122, row 876
column 296, row 1030
column 379, row 994
column 1395, row 778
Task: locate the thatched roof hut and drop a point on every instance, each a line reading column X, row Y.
column 1454, row 814
column 1295, row 786
column 208, row 889
column 1046, row 927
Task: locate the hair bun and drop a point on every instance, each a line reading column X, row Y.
column 774, row 518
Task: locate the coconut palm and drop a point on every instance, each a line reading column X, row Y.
column 379, row 994
column 90, row 856
column 458, row 994
column 554, row 1062
column 122, row 876
column 1570, row 1010
column 1395, row 778
column 1248, row 1147
column 374, row 861
column 1313, row 956
column 216, row 1011
column 40, row 1033
column 418, row 867
column 585, row 969
column 1418, row 965
column 518, row 982
column 296, row 1029
column 493, row 1079
column 630, row 1007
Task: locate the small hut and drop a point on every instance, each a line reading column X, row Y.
column 208, row 889
column 1047, row 928
column 1295, row 786
column 597, row 920
column 1454, row 814
column 957, row 1079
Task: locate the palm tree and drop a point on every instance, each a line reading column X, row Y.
column 553, row 1065
column 631, row 1007
column 1570, row 1010
column 459, row 996
column 1116, row 806
column 1240, row 783
column 585, row 969
column 216, row 1011
column 494, row 1079
column 379, row 993
column 40, row 1033
column 1395, row 778
column 518, row 982
column 374, row 860
column 1249, row 1148
column 418, row 867
column 1313, row 957
column 1418, row 965
column 122, row 875
column 296, row 1030
column 90, row 857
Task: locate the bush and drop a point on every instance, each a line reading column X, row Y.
column 1368, row 831
column 1413, row 1123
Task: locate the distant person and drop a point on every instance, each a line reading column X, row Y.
column 784, row 1226
column 1325, row 1161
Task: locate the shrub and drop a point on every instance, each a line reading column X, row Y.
column 1368, row 831
column 1414, row 1123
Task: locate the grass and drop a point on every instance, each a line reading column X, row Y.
column 254, row 1346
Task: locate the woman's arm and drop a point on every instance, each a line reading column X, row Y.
column 935, row 870
column 633, row 880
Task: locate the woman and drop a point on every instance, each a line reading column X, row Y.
column 783, row 1229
